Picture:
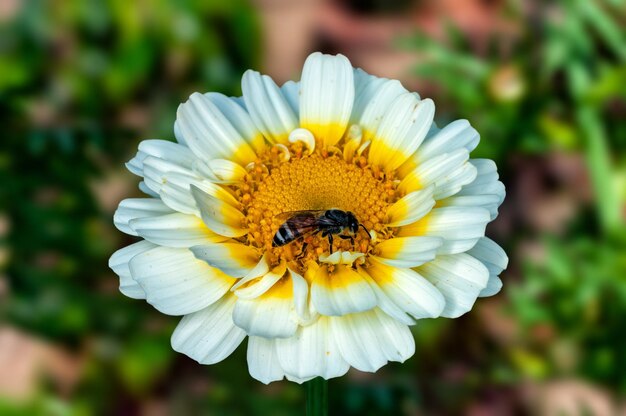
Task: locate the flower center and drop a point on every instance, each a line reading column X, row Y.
column 286, row 179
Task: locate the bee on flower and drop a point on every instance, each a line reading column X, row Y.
column 320, row 219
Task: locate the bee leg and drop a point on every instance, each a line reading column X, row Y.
column 330, row 242
column 302, row 250
column 366, row 232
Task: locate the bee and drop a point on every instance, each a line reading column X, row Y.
column 300, row 224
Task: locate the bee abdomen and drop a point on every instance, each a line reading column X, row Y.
column 283, row 236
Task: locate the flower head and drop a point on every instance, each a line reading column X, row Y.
column 249, row 228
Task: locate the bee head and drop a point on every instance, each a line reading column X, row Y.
column 353, row 223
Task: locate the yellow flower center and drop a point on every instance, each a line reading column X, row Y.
column 287, row 179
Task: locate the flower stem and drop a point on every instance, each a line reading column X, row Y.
column 317, row 397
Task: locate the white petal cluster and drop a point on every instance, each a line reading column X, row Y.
column 350, row 308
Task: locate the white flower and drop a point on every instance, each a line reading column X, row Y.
column 339, row 138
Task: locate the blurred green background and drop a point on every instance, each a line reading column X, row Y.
column 82, row 82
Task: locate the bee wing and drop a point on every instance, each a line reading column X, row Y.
column 328, row 222
column 300, row 214
column 297, row 225
column 302, row 224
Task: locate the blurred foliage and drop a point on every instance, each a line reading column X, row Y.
column 557, row 85
column 81, row 82
column 577, row 296
column 554, row 83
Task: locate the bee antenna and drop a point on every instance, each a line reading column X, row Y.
column 367, row 232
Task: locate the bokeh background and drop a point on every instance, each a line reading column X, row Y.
column 82, row 82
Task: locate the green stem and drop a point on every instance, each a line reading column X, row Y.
column 317, row 397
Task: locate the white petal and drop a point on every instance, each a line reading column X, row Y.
column 234, row 259
column 261, row 269
column 262, row 285
column 368, row 340
column 175, row 282
column 460, row 278
column 460, row 227
column 263, row 362
column 208, row 336
column 340, row 257
column 179, row 136
column 361, row 81
column 301, row 299
column 298, row 380
column 267, row 106
column 352, row 143
column 209, row 133
column 401, row 131
column 311, row 352
column 143, row 187
column 448, row 172
column 485, row 185
column 119, row 264
column 326, row 96
column 341, row 292
column 496, row 260
column 407, row 252
column 373, row 98
column 365, row 87
column 434, row 129
column 132, row 208
column 408, row 290
column 176, row 192
column 291, row 92
column 486, row 179
column 494, row 285
column 266, row 318
column 155, row 169
column 173, row 153
column 271, row 315
column 385, row 303
column 239, row 101
column 220, row 171
column 239, row 118
column 303, row 136
column 218, row 215
column 489, row 202
column 175, row 230
column 453, row 182
column 411, row 207
column 457, row 135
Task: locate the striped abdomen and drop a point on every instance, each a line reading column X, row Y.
column 298, row 225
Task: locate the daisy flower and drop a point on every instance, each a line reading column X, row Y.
column 226, row 245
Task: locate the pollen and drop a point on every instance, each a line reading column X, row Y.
column 277, row 185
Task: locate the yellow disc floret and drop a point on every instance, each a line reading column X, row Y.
column 284, row 179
